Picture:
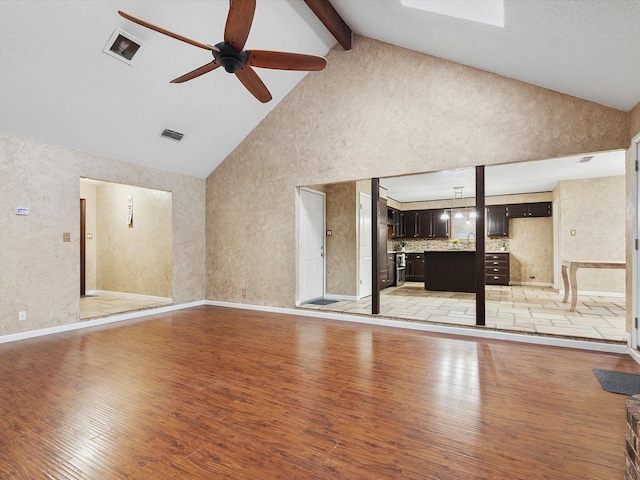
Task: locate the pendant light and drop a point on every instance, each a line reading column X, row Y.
column 457, row 194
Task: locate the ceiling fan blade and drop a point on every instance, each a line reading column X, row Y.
column 285, row 61
column 239, row 20
column 252, row 82
column 197, row 72
column 166, row 32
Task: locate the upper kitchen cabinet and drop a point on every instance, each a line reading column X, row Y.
column 526, row 210
column 410, row 220
column 497, row 221
column 439, row 227
column 396, row 220
column 498, row 215
column 425, row 224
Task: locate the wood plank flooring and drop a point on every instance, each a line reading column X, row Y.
column 210, row 392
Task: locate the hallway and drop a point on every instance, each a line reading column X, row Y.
column 112, row 303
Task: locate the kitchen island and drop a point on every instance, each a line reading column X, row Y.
column 450, row 270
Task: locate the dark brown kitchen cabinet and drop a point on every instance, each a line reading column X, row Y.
column 401, row 232
column 396, row 220
column 497, row 221
column 527, row 210
column 411, row 224
column 414, row 270
column 382, row 243
column 425, row 224
column 391, row 269
column 439, row 227
column 496, row 269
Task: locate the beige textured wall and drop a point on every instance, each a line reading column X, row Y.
column 531, row 249
column 375, row 111
column 88, row 192
column 134, row 258
column 342, row 245
column 634, row 121
column 40, row 273
column 595, row 209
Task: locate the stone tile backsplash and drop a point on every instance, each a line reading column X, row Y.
column 422, row 244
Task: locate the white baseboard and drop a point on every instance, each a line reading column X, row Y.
column 96, row 322
column 635, row 354
column 595, row 294
column 436, row 328
column 530, row 284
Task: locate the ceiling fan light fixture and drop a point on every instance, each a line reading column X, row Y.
column 229, row 57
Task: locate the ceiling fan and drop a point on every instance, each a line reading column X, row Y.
column 230, row 53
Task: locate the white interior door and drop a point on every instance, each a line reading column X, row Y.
column 312, row 259
column 365, row 261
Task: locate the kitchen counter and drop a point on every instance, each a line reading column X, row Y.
column 451, row 250
column 450, row 270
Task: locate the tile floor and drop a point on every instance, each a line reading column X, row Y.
column 534, row 310
column 105, row 304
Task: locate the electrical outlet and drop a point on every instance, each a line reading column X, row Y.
column 244, row 293
column 66, row 237
column 22, row 316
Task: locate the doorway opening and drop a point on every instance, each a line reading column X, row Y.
column 583, row 219
column 126, row 248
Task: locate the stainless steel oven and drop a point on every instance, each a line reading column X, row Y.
column 400, row 268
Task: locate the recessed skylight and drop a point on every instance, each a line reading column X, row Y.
column 490, row 12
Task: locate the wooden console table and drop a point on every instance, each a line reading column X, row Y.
column 573, row 268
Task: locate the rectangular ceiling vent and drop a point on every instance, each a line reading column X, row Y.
column 585, row 159
column 172, row 135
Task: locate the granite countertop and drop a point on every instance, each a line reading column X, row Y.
column 452, row 250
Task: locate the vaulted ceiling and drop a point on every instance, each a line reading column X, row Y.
column 60, row 87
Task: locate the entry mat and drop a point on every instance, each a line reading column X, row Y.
column 618, row 382
column 322, row 301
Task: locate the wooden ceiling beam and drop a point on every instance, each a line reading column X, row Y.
column 332, row 20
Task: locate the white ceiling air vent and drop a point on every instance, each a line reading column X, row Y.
column 585, row 159
column 171, row 134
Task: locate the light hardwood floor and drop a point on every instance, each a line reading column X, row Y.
column 212, row 392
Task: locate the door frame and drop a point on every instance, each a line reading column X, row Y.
column 556, row 244
column 83, row 246
column 635, row 226
column 303, row 191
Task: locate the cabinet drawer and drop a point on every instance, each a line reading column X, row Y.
column 501, row 279
column 496, row 256
column 503, row 261
column 496, row 270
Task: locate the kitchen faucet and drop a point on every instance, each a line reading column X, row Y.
column 469, row 238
